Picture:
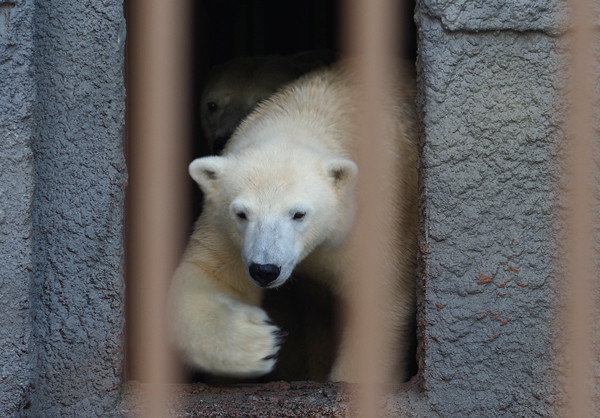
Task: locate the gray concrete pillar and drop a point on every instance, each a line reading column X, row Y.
column 489, row 78
column 62, row 179
column 17, row 100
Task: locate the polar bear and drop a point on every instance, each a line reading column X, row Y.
column 281, row 201
column 233, row 89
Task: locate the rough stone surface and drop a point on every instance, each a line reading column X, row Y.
column 16, row 194
column 548, row 16
column 276, row 399
column 77, row 294
column 489, row 299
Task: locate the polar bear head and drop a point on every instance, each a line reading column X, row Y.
column 277, row 209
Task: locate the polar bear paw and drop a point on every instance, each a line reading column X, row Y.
column 240, row 342
column 254, row 341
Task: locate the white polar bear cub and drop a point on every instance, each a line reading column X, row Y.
column 282, row 199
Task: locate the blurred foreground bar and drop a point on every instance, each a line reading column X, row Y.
column 159, row 55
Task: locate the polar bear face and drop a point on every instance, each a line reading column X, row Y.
column 277, row 212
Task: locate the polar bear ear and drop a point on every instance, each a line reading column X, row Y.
column 342, row 171
column 206, row 171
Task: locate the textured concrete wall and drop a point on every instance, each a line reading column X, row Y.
column 62, row 178
column 489, row 80
column 547, row 16
column 16, row 194
column 77, row 285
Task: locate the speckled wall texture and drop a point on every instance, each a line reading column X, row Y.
column 489, row 76
column 17, row 99
column 62, row 102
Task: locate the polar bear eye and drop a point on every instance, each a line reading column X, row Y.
column 298, row 216
column 240, row 212
column 212, row 106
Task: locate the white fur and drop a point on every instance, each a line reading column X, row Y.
column 281, row 196
column 231, row 338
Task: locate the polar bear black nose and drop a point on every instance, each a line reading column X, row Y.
column 264, row 274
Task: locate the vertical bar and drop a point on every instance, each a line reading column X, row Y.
column 369, row 39
column 580, row 249
column 158, row 51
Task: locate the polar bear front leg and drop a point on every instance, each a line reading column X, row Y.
column 343, row 369
column 220, row 334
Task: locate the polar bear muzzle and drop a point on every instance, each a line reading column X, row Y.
column 264, row 274
column 270, row 249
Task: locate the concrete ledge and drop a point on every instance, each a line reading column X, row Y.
column 275, row 399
